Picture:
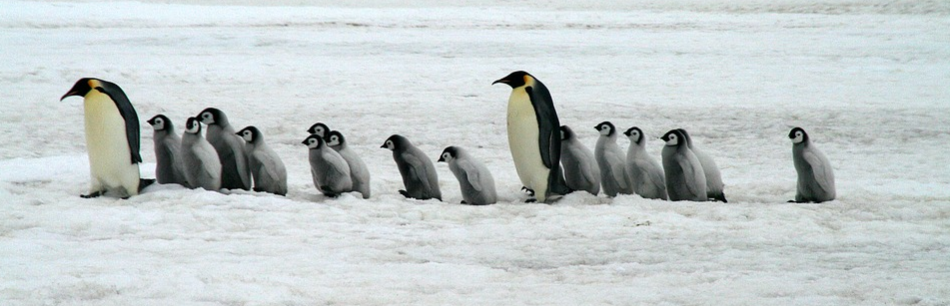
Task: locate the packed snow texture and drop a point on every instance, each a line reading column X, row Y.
column 867, row 79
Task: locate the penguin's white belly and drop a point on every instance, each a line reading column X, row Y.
column 523, row 132
column 110, row 161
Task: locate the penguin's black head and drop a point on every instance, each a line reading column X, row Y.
column 335, row 138
column 81, row 88
column 319, row 129
column 515, row 79
column 606, row 128
column 250, row 134
column 396, row 142
column 192, row 126
column 211, row 116
column 674, row 138
column 634, row 134
column 449, row 154
column 313, row 142
column 567, row 133
column 161, row 123
column 798, row 135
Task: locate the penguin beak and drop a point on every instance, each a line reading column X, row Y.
column 304, row 142
column 383, row 146
column 441, row 159
column 75, row 91
column 501, row 80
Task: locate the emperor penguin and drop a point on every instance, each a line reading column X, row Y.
column 611, row 160
column 685, row 180
column 644, row 172
column 359, row 173
column 319, row 129
column 475, row 181
column 714, row 186
column 169, row 168
column 533, row 136
column 112, row 138
column 202, row 166
column 234, row 169
column 580, row 169
column 267, row 169
column 417, row 171
column 816, row 179
column 331, row 174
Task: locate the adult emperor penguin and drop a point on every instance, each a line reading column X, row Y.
column 202, row 166
column 417, row 171
column 234, row 169
column 169, row 168
column 268, row 170
column 359, row 173
column 331, row 174
column 611, row 160
column 685, row 180
column 714, row 186
column 644, row 172
column 580, row 169
column 112, row 138
column 319, row 129
column 816, row 179
column 533, row 136
column 475, row 181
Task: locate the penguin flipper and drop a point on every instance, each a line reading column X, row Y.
column 128, row 113
column 417, row 170
column 821, row 169
column 548, row 124
column 92, row 195
column 689, row 172
column 471, row 173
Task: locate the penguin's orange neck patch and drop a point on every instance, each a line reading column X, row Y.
column 528, row 80
column 94, row 83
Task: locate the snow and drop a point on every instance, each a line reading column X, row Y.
column 867, row 80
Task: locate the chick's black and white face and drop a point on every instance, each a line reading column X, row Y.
column 158, row 123
column 672, row 139
column 389, row 145
column 605, row 129
column 634, row 135
column 207, row 118
column 447, row 157
column 312, row 142
column 334, row 140
column 193, row 126
column 247, row 135
column 798, row 136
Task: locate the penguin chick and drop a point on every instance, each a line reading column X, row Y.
column 685, row 180
column 234, row 170
column 475, row 181
column 266, row 167
column 169, row 168
column 417, row 171
column 331, row 174
column 202, row 166
column 645, row 174
column 359, row 173
column 714, row 186
column 816, row 179
column 319, row 129
column 580, row 168
column 611, row 160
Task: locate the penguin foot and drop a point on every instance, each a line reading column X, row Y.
column 92, row 195
column 720, row 198
column 404, row 193
column 528, row 190
column 532, row 200
column 463, row 202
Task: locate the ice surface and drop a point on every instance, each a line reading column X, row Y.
column 868, row 80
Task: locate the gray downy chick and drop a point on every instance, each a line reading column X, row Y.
column 475, row 181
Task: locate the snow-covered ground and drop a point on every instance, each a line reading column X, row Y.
column 868, row 80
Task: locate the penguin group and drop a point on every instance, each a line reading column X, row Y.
column 226, row 158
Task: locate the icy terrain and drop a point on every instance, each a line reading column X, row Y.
column 867, row 79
